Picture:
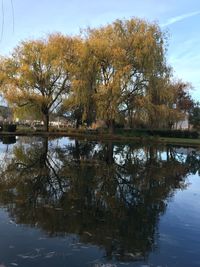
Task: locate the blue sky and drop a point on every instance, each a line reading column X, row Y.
column 33, row 19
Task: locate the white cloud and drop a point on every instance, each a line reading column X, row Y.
column 180, row 18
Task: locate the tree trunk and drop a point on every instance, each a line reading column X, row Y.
column 111, row 126
column 109, row 154
column 130, row 118
column 43, row 156
column 152, row 154
column 77, row 151
column 46, row 122
column 78, row 123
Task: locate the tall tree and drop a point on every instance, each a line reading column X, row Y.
column 129, row 53
column 38, row 74
column 80, row 101
column 110, row 71
column 160, row 99
column 194, row 116
column 144, row 45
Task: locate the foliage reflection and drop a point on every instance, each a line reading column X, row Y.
column 110, row 195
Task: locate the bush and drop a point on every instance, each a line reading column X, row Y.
column 158, row 132
column 9, row 128
column 174, row 133
column 119, row 125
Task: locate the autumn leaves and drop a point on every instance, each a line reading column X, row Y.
column 117, row 73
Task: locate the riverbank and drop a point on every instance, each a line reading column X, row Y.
column 102, row 136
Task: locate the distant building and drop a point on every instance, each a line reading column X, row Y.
column 183, row 124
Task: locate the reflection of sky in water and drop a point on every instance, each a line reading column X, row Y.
column 61, row 142
column 5, row 153
column 179, row 239
column 189, row 201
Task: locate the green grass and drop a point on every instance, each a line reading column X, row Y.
column 120, row 135
column 180, row 140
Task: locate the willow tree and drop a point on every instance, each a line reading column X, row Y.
column 80, row 101
column 159, row 103
column 144, row 45
column 111, row 68
column 38, row 74
column 167, row 101
column 128, row 53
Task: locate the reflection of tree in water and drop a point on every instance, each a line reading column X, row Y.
column 110, row 195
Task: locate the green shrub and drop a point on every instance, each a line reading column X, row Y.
column 158, row 132
column 174, row 133
column 9, row 128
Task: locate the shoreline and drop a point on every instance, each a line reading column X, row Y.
column 108, row 137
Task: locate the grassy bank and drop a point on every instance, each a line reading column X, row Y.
column 120, row 136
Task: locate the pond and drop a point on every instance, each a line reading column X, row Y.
column 66, row 202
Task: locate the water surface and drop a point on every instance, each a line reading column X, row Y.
column 76, row 203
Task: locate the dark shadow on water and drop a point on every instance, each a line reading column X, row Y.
column 8, row 140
